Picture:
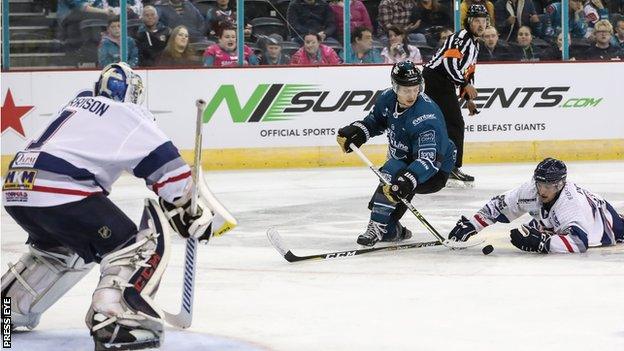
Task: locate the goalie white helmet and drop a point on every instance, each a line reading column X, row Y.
column 119, row 82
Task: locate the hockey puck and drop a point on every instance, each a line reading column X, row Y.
column 487, row 249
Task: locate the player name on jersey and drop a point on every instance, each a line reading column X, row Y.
column 90, row 104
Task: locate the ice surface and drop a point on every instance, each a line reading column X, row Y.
column 420, row 299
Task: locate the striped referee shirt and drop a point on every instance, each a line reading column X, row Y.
column 456, row 59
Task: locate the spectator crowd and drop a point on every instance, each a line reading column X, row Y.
column 310, row 32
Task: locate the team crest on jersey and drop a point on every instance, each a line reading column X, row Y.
column 19, row 180
column 426, row 138
column 427, row 154
column 25, row 160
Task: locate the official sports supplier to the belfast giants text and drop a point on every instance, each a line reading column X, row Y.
column 294, row 132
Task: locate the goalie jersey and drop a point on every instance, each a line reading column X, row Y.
column 84, row 150
column 578, row 218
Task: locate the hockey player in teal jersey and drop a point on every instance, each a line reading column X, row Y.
column 420, row 154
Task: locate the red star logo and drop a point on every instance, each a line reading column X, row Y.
column 12, row 115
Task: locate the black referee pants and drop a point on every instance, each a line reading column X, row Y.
column 443, row 92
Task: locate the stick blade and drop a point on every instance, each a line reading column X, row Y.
column 182, row 320
column 276, row 240
column 460, row 245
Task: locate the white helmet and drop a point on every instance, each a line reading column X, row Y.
column 119, row 82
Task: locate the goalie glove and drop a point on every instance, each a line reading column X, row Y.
column 185, row 224
column 530, row 239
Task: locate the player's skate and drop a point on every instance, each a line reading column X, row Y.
column 459, row 179
column 123, row 315
column 457, row 174
column 373, row 234
column 402, row 233
column 376, row 232
column 118, row 336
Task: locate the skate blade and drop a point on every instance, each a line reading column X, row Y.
column 104, row 346
column 366, row 245
column 459, row 184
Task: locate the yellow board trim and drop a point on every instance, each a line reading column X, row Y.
column 331, row 156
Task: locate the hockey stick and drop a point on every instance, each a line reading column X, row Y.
column 184, row 318
column 425, row 223
column 276, row 241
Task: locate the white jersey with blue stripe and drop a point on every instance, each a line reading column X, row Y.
column 84, row 150
column 579, row 218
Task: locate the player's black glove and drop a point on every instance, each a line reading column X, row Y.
column 185, row 224
column 530, row 239
column 351, row 134
column 401, row 187
column 463, row 230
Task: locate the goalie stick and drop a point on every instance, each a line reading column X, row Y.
column 184, row 318
column 276, row 240
column 450, row 244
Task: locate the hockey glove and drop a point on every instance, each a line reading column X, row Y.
column 401, row 187
column 354, row 133
column 530, row 239
column 463, row 230
column 185, row 224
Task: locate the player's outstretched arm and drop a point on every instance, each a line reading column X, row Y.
column 575, row 241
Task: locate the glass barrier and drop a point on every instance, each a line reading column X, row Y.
column 213, row 33
column 303, row 32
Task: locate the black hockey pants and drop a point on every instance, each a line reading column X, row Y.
column 92, row 227
column 443, row 92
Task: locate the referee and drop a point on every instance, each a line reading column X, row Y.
column 454, row 65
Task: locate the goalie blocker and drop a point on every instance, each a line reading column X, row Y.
column 203, row 225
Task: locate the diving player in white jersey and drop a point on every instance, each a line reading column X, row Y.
column 56, row 190
column 566, row 217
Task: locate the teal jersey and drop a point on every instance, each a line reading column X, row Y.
column 416, row 135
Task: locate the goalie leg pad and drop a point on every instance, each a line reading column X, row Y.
column 38, row 280
column 123, row 315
